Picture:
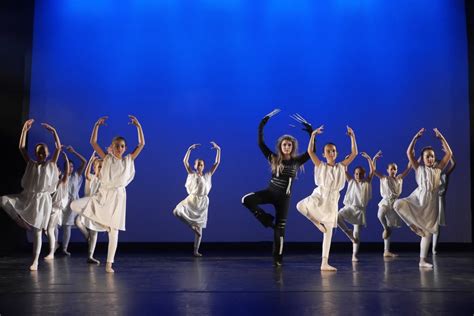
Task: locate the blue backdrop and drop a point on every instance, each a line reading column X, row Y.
column 196, row 71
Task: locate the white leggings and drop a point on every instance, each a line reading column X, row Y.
column 66, row 236
column 327, row 241
column 37, row 241
column 113, row 242
column 425, row 245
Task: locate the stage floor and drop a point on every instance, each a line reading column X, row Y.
column 243, row 283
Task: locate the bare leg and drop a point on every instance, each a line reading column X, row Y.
column 197, row 243
column 36, row 248
column 113, row 242
column 52, row 240
column 326, row 247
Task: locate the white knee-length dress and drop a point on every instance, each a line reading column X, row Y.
column 194, row 208
column 357, row 197
column 60, row 202
column 390, row 190
column 322, row 204
column 90, row 188
column 33, row 205
column 420, row 208
column 75, row 182
column 107, row 207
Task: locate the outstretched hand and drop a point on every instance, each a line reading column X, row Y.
column 70, row 149
column 420, row 133
column 133, row 121
column 378, row 155
column 194, row 146
column 48, row 127
column 215, row 146
column 28, row 124
column 437, row 133
column 269, row 115
column 101, row 121
column 365, row 155
column 350, row 131
column 318, row 131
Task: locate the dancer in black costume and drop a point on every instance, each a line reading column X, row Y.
column 284, row 165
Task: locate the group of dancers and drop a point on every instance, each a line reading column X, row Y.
column 50, row 198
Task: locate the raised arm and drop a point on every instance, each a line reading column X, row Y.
column 452, row 166
column 308, row 128
column 312, row 146
column 411, row 149
column 141, row 137
column 218, row 157
column 95, row 132
column 374, row 160
column 22, row 144
column 346, row 171
column 354, row 150
column 57, row 142
column 87, row 172
column 371, row 166
column 448, row 153
column 66, row 170
column 261, row 142
column 186, row 157
column 83, row 160
column 405, row 172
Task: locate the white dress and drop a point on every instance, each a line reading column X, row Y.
column 421, row 206
column 60, row 202
column 390, row 190
column 33, row 205
column 108, row 206
column 91, row 187
column 193, row 209
column 75, row 182
column 322, row 204
column 442, row 199
column 356, row 199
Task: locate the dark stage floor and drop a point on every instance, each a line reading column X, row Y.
column 242, row 283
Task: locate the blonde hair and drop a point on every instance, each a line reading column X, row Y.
column 276, row 162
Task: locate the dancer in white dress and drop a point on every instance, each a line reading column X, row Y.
column 358, row 194
column 60, row 202
column 32, row 208
column 193, row 209
column 390, row 189
column 443, row 188
column 420, row 209
column 88, row 228
column 75, row 182
column 107, row 207
column 322, row 205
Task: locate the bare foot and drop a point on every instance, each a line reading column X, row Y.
column 386, row 233
column 197, row 254
column 49, row 257
column 327, row 267
column 93, row 260
column 108, row 267
column 34, row 266
column 389, row 254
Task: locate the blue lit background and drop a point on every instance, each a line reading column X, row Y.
column 196, row 71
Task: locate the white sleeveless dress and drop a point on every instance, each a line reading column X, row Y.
column 108, row 206
column 322, row 204
column 75, row 182
column 357, row 197
column 91, row 187
column 60, row 202
column 194, row 208
column 33, row 205
column 421, row 206
column 390, row 190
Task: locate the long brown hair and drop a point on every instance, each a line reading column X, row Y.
column 276, row 162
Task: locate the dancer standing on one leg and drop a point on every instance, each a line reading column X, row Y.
column 74, row 184
column 443, row 188
column 88, row 228
column 358, row 195
column 420, row 209
column 322, row 205
column 107, row 207
column 32, row 208
column 390, row 189
column 284, row 164
column 193, row 210
column 60, row 202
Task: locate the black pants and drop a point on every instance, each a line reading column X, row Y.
column 281, row 201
